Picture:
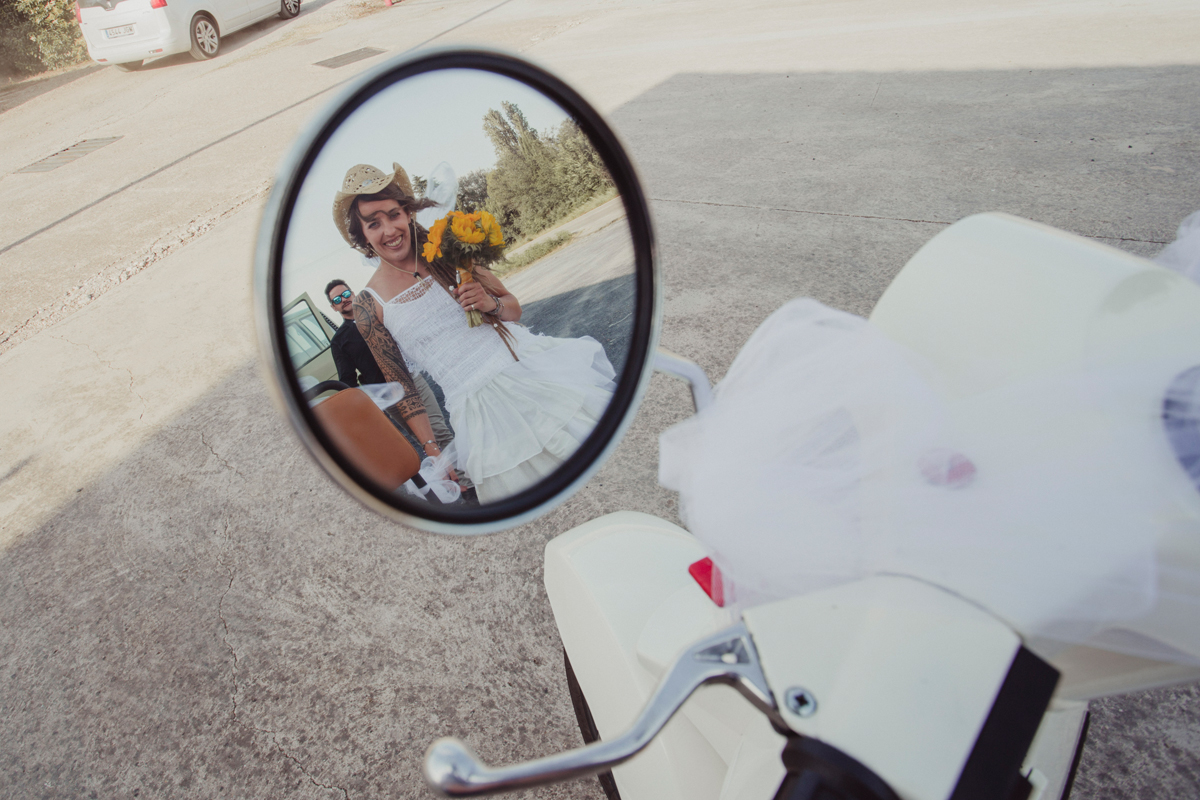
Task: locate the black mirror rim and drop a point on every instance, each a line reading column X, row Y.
column 564, row 482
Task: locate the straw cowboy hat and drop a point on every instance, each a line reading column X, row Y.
column 365, row 179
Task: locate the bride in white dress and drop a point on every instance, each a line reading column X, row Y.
column 520, row 404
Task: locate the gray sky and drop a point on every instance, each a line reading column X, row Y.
column 418, row 123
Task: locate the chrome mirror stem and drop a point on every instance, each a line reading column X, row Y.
column 728, row 657
column 680, row 367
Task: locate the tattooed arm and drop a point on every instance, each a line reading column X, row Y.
column 369, row 318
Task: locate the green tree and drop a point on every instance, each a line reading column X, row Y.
column 18, row 53
column 472, row 191
column 579, row 167
column 538, row 178
column 505, row 130
column 59, row 40
column 521, row 191
column 37, row 35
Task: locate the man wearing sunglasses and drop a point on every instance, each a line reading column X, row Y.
column 356, row 365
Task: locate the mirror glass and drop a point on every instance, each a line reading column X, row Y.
column 458, row 301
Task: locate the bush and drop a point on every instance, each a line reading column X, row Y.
column 38, row 35
column 472, row 191
column 538, row 177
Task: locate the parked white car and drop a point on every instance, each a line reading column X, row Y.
column 127, row 32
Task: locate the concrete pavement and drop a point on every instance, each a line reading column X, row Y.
column 189, row 608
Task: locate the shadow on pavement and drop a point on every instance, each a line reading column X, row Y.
column 214, row 617
column 18, row 93
column 229, row 44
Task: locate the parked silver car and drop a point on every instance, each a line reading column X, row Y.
column 126, row 32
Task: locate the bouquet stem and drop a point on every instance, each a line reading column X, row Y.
column 465, row 276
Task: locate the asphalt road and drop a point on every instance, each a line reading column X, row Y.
column 585, row 288
column 188, row 608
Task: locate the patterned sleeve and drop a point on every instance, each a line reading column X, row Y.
column 387, row 353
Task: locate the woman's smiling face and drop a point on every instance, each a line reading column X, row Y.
column 385, row 226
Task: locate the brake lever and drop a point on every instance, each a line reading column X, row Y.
column 679, row 367
column 727, row 657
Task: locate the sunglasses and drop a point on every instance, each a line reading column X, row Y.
column 338, row 299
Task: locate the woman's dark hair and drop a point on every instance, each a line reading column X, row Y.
column 354, row 219
column 442, row 271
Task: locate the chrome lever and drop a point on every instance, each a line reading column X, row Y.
column 727, row 657
column 690, row 371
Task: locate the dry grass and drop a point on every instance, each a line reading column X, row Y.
column 511, row 266
column 365, row 8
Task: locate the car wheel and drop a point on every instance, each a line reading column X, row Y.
column 129, row 66
column 587, row 727
column 206, row 41
column 288, row 8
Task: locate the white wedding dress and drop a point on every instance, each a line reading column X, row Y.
column 514, row 421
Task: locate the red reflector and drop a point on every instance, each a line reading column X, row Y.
column 158, row 3
column 708, row 575
column 78, row 13
column 159, row 50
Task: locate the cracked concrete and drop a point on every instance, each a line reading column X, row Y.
column 79, row 296
column 188, row 608
column 220, row 458
column 315, row 782
column 117, row 391
column 110, row 365
column 225, row 626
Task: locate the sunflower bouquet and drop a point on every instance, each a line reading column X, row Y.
column 465, row 240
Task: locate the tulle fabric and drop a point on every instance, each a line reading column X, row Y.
column 521, row 425
column 515, row 421
column 441, row 186
column 827, row 457
column 433, row 474
column 1183, row 255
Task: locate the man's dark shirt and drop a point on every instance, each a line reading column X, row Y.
column 353, row 358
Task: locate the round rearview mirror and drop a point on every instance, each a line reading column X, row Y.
column 456, row 292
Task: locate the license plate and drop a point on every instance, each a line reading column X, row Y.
column 124, row 30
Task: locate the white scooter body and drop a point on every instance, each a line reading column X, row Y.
column 905, row 693
column 902, row 675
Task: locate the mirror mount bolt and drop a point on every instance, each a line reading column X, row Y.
column 800, row 701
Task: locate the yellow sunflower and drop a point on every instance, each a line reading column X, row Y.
column 433, row 247
column 465, row 229
column 495, row 235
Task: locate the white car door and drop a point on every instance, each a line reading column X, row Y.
column 231, row 14
column 260, row 9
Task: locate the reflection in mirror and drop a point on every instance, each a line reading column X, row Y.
column 459, row 321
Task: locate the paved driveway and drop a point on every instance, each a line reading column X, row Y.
column 190, row 609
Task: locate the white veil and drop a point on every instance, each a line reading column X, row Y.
column 1052, row 501
column 442, row 188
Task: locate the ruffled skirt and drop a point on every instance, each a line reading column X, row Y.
column 533, row 415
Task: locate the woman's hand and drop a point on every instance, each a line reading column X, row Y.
column 433, row 451
column 473, row 297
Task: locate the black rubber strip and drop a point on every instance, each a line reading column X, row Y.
column 1087, row 720
column 992, row 771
